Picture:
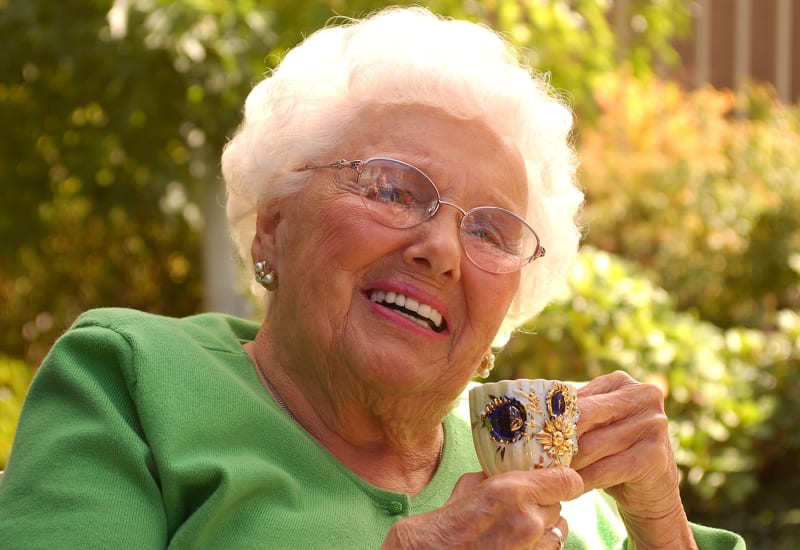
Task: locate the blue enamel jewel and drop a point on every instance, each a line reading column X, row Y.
column 557, row 403
column 505, row 418
column 560, row 401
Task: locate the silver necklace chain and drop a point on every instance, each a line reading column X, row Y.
column 274, row 391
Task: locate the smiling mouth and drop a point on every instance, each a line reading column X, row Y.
column 422, row 314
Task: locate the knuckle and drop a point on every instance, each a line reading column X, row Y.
column 530, row 529
column 662, row 422
column 569, row 480
column 652, row 392
column 402, row 535
column 509, row 484
column 553, row 485
column 621, row 376
column 647, row 397
column 655, row 430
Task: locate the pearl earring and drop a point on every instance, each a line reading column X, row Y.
column 487, row 364
column 266, row 276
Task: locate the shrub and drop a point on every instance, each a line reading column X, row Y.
column 732, row 395
column 700, row 196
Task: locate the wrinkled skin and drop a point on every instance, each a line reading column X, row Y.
column 378, row 408
column 624, row 449
column 507, row 511
column 368, row 383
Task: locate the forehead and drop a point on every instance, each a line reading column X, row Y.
column 465, row 158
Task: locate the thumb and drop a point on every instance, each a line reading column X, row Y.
column 466, row 483
column 555, row 485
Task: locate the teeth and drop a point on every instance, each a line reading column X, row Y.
column 423, row 310
column 417, row 320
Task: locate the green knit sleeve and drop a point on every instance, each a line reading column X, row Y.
column 612, row 530
column 708, row 538
column 80, row 474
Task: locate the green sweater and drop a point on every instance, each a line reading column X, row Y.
column 147, row 432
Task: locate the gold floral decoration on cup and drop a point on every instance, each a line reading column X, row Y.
column 524, row 424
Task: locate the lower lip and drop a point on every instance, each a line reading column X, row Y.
column 392, row 315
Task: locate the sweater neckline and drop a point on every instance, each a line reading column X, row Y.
column 438, row 482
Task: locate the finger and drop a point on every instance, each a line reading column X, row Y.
column 554, row 485
column 615, row 438
column 599, row 444
column 527, row 529
column 600, row 401
column 653, row 496
column 606, row 384
column 622, row 404
column 519, row 504
column 467, row 482
column 646, row 463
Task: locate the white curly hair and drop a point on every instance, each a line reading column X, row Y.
column 409, row 56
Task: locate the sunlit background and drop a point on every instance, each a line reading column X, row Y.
column 114, row 114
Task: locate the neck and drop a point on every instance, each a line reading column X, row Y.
column 393, row 443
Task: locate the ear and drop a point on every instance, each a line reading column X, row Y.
column 265, row 240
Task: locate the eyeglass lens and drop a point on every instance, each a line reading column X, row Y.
column 401, row 196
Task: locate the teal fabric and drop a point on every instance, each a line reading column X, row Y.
column 142, row 431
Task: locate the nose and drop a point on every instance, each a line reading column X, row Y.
column 436, row 246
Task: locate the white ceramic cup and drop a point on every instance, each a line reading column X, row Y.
column 524, row 424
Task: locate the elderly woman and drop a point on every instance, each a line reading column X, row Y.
column 404, row 192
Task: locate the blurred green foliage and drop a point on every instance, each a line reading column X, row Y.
column 15, row 377
column 732, row 395
column 578, row 41
column 116, row 113
column 700, row 190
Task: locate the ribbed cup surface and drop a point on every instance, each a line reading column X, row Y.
column 524, row 424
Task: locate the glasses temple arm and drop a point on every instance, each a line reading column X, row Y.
column 338, row 165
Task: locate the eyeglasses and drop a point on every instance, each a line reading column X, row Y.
column 401, row 196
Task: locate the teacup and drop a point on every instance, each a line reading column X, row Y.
column 524, row 424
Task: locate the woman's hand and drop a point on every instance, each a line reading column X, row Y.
column 624, row 448
column 511, row 510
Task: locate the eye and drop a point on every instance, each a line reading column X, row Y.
column 383, row 188
column 392, row 193
column 486, row 234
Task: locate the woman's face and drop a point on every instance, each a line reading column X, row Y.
column 334, row 259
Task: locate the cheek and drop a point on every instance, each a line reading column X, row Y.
column 338, row 235
column 349, row 239
column 489, row 296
